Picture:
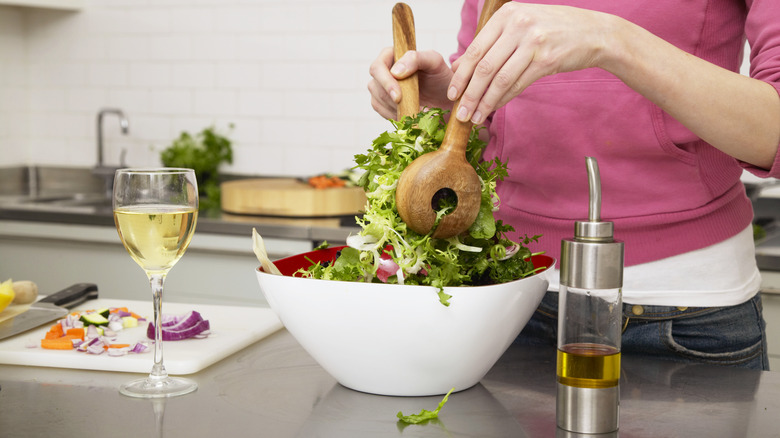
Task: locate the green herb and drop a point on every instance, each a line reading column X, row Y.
column 322, row 245
column 758, row 232
column 424, row 415
column 204, row 153
column 473, row 258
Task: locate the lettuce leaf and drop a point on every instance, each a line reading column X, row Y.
column 472, row 258
column 424, row 415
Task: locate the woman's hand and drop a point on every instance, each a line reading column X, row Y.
column 520, row 44
column 433, row 73
column 524, row 42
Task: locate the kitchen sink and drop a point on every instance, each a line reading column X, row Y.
column 52, row 188
column 78, row 202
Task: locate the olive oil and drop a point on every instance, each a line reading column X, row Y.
column 588, row 365
column 589, row 322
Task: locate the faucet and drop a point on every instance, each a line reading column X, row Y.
column 122, row 124
column 107, row 172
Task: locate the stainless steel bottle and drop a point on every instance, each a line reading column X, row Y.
column 589, row 322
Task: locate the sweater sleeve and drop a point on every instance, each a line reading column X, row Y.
column 762, row 29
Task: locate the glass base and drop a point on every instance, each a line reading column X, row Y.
column 149, row 387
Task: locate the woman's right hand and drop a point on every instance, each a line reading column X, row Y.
column 433, row 73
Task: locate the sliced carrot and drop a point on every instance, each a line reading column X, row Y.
column 325, row 182
column 77, row 333
column 119, row 309
column 63, row 343
column 106, row 347
column 55, row 332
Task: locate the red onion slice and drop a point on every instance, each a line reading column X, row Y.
column 176, row 328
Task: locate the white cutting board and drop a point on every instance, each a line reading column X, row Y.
column 232, row 329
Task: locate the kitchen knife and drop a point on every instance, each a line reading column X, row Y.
column 48, row 309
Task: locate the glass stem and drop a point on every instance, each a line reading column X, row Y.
column 158, row 370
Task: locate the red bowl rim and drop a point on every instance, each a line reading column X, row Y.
column 289, row 265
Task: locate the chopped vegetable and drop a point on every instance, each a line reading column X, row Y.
column 75, row 331
column 386, row 250
column 78, row 333
column 61, row 343
column 96, row 319
column 55, row 332
column 326, row 182
column 424, row 414
column 176, row 328
column 117, row 346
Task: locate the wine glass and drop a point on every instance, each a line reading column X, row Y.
column 155, row 211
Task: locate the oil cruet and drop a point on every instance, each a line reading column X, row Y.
column 589, row 322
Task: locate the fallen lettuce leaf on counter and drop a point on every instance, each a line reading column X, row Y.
column 385, row 250
column 424, row 415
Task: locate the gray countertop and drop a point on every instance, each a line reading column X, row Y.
column 275, row 389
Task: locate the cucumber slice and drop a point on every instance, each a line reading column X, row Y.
column 95, row 319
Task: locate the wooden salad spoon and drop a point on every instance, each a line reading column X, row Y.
column 443, row 172
column 404, row 40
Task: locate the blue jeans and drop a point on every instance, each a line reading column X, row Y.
column 730, row 336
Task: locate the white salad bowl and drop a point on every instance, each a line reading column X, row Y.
column 400, row 340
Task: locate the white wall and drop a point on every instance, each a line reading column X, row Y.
column 291, row 76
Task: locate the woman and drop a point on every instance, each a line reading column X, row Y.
column 652, row 90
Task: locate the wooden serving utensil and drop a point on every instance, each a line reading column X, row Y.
column 404, row 40
column 444, row 172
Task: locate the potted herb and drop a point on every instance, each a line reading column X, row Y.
column 203, row 152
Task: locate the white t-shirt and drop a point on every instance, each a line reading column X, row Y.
column 724, row 274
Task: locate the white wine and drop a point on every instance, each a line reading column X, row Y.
column 156, row 236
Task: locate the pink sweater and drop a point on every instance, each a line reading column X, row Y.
column 667, row 191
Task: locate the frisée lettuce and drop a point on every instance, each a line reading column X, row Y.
column 386, row 250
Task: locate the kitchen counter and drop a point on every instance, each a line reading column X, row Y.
column 212, row 222
column 274, row 388
column 79, row 196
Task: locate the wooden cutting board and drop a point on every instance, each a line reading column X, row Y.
column 289, row 197
column 232, row 329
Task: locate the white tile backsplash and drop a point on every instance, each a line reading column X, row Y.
column 291, row 76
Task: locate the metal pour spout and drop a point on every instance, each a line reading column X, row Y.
column 594, row 186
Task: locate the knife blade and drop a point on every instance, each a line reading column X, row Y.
column 51, row 308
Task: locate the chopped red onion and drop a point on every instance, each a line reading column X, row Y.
column 387, row 268
column 175, row 328
column 139, row 347
column 122, row 351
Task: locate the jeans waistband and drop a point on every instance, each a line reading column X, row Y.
column 648, row 313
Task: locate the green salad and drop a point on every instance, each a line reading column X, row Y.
column 385, row 250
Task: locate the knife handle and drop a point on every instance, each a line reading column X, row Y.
column 72, row 295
